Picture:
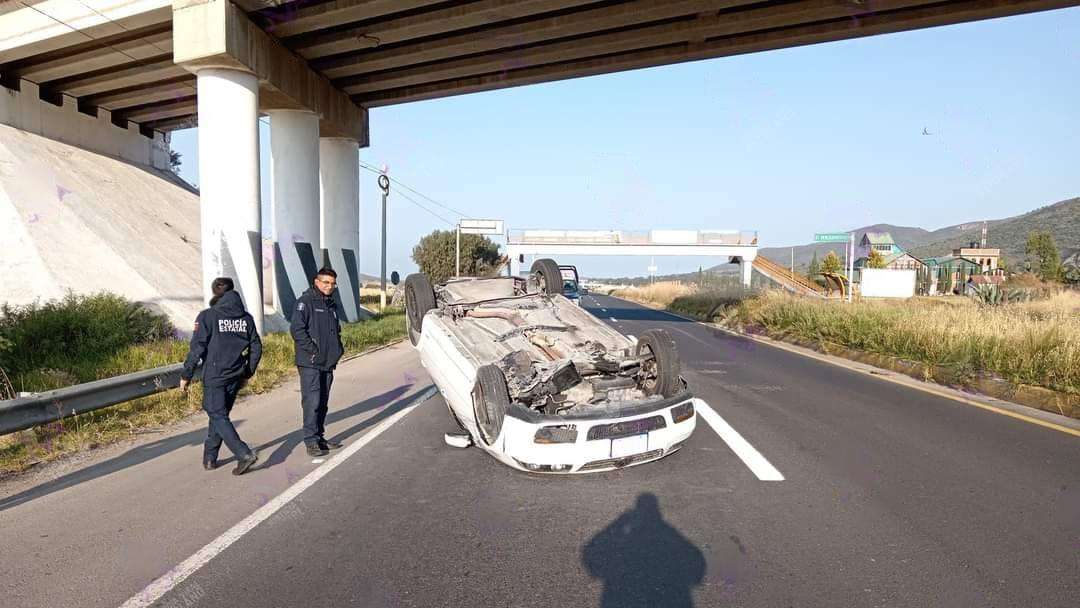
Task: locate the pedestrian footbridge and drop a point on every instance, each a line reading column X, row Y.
column 735, row 245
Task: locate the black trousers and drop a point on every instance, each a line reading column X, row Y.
column 218, row 403
column 314, row 395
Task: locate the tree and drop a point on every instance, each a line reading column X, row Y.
column 831, row 264
column 875, row 259
column 1003, row 264
column 1043, row 255
column 435, row 254
column 174, row 160
column 815, row 268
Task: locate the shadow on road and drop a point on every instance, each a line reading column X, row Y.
column 135, row 456
column 285, row 445
column 644, row 561
column 289, row 442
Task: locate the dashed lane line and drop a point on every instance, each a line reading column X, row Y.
column 155, row 590
column 753, row 459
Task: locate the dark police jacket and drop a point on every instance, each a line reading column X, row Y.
column 226, row 341
column 316, row 330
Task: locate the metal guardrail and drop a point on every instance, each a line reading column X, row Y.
column 42, row 408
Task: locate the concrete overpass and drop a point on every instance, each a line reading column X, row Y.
column 117, row 76
column 737, row 246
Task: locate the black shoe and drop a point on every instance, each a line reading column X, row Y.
column 316, row 450
column 330, row 444
column 209, row 464
column 243, row 464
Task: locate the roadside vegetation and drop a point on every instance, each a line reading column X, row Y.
column 1029, row 336
column 658, row 294
column 84, row 338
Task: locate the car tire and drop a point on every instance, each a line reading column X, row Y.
column 547, row 275
column 662, row 373
column 490, row 400
column 419, row 299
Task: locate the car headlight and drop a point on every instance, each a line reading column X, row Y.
column 683, row 412
column 556, row 434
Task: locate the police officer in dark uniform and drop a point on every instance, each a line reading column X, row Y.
column 226, row 341
column 316, row 331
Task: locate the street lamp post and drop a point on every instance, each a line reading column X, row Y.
column 384, row 184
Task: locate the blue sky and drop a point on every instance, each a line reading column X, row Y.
column 818, row 138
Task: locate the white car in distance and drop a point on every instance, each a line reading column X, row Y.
column 539, row 383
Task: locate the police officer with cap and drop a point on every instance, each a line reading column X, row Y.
column 226, row 341
column 316, row 331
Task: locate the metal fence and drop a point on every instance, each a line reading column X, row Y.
column 37, row 409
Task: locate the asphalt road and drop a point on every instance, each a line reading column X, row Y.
column 890, row 497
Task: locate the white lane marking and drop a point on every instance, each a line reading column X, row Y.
column 742, row 448
column 613, row 319
column 318, row 461
column 155, row 590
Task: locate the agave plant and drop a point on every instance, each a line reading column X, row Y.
column 992, row 295
column 989, row 295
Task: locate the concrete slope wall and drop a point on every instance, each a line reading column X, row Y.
column 80, row 221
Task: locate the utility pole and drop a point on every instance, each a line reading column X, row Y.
column 457, row 252
column 384, row 184
column 851, row 268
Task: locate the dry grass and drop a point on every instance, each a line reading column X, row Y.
column 19, row 451
column 656, row 294
column 1035, row 343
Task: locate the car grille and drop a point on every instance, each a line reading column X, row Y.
column 608, row 463
column 626, row 428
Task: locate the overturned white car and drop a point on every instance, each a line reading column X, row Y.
column 542, row 385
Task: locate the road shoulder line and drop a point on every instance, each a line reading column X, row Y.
column 752, row 458
column 157, row 589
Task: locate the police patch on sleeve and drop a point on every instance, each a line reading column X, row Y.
column 300, row 306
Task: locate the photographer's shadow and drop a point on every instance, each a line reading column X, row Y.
column 643, row 561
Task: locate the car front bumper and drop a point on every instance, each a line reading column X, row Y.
column 601, row 444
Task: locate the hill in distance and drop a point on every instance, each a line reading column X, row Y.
column 1061, row 219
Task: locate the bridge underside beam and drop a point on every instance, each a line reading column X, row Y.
column 217, row 34
column 493, row 59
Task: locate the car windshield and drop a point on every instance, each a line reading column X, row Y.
column 569, row 286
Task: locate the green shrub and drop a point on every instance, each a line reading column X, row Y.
column 76, row 334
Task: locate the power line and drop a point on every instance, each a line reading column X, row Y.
column 405, row 196
column 413, row 201
column 420, row 194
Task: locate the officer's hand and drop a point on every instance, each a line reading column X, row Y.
column 184, row 384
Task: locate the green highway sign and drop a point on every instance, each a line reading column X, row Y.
column 832, row 237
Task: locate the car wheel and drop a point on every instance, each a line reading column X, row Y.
column 490, row 400
column 547, row 275
column 662, row 368
column 419, row 299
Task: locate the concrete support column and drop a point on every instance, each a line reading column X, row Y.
column 515, row 265
column 229, row 183
column 339, row 202
column 294, row 167
column 746, row 267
